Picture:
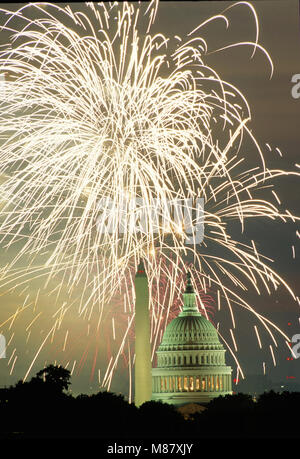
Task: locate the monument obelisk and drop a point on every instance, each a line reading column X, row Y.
column 142, row 376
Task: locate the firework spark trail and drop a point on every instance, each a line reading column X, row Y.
column 102, row 108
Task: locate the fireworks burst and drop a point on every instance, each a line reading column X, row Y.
column 98, row 107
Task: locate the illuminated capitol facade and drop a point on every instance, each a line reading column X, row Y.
column 191, row 365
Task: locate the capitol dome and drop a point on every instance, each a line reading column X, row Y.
column 187, row 331
column 191, row 363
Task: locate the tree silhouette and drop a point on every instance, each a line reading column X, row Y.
column 229, row 415
column 55, row 377
column 43, row 408
column 277, row 414
column 158, row 418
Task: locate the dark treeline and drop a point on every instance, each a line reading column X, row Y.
column 43, row 407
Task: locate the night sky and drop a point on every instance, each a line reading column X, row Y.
column 275, row 120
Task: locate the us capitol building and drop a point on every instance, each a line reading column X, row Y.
column 191, row 365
